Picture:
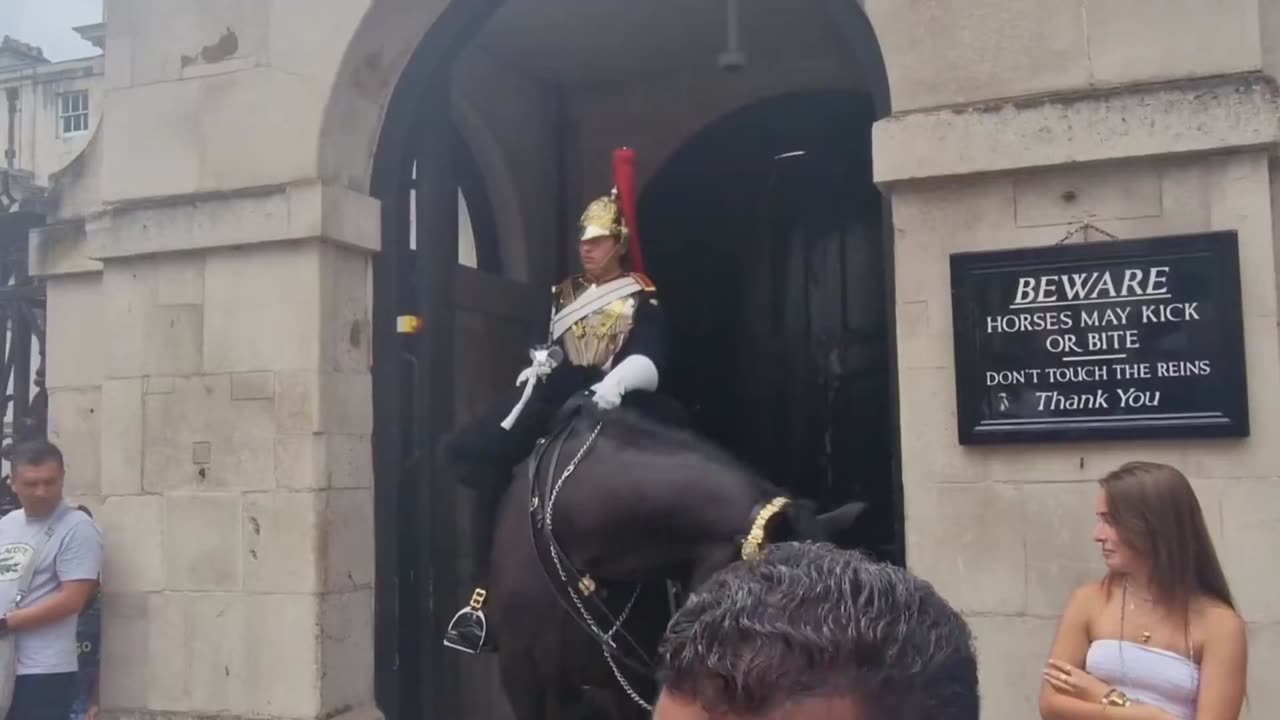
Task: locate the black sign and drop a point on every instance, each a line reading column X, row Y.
column 1102, row 340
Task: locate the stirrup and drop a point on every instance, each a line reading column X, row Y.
column 469, row 627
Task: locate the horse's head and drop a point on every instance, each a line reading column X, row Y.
column 706, row 506
column 806, row 524
column 775, row 519
column 783, row 519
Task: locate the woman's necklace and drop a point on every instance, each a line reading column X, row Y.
column 1145, row 635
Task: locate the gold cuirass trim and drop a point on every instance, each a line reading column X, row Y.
column 593, row 340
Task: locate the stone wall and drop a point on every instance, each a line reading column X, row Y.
column 1150, row 145
column 214, row 405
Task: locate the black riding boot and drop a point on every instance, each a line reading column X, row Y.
column 488, row 447
column 468, row 631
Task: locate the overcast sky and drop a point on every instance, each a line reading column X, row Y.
column 47, row 24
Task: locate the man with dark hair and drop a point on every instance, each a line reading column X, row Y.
column 50, row 561
column 811, row 632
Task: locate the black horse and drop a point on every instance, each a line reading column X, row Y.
column 609, row 509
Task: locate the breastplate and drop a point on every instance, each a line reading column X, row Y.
column 595, row 339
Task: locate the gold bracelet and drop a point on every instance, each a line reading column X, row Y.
column 1115, row 698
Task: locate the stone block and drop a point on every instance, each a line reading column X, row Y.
column 1258, row 455
column 203, row 542
column 348, row 539
column 240, row 435
column 1269, row 17
column 345, row 649
column 309, row 402
column 74, row 330
column 133, row 531
column 1070, row 195
column 349, row 461
column 261, row 308
column 931, row 222
column 975, row 550
column 197, row 656
column 1061, row 553
column 1180, row 38
column 973, row 45
column 1263, row 701
column 215, row 648
column 163, row 45
column 179, row 278
column 931, row 452
column 282, row 545
column 129, row 650
column 282, row 663
column 148, row 338
column 58, row 249
column 346, row 337
column 172, row 337
column 75, row 427
column 301, row 462
column 157, row 385
column 310, row 53
column 121, row 444
column 1075, row 462
column 1217, row 114
column 1239, row 197
column 253, row 386
column 1251, row 509
column 1011, row 653
column 320, row 461
column 202, row 134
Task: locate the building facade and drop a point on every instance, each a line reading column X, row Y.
column 223, row 367
column 58, row 104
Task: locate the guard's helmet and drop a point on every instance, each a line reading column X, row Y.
column 614, row 214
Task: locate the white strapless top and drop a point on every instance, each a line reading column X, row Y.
column 1146, row 674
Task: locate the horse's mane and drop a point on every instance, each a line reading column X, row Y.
column 641, row 434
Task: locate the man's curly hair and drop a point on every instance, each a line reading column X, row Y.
column 810, row 620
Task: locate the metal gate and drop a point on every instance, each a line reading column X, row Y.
column 24, row 403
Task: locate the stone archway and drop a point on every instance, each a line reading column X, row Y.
column 377, row 119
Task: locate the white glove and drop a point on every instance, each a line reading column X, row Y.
column 607, row 397
column 637, row 372
column 544, row 361
column 541, row 371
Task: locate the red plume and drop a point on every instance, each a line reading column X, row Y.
column 624, row 179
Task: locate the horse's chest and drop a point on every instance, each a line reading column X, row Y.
column 596, row 338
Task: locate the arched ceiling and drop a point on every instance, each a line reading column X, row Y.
column 584, row 42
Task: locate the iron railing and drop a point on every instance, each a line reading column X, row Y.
column 24, row 403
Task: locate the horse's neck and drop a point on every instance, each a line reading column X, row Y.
column 666, row 504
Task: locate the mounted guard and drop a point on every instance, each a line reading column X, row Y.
column 606, row 336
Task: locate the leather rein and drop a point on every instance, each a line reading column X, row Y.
column 578, row 591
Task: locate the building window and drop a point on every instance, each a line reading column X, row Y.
column 73, row 112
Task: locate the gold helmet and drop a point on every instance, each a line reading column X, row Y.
column 614, row 214
column 603, row 216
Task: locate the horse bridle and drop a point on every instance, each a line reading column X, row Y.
column 581, row 587
column 754, row 542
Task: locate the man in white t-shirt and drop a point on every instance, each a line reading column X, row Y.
column 64, row 578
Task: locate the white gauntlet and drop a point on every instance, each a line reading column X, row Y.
column 637, row 372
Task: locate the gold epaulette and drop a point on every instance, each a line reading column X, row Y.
column 645, row 283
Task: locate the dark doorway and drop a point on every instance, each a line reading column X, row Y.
column 763, row 234
column 788, row 339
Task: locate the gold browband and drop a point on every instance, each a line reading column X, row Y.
column 755, row 537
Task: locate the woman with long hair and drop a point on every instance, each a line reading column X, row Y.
column 1159, row 637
